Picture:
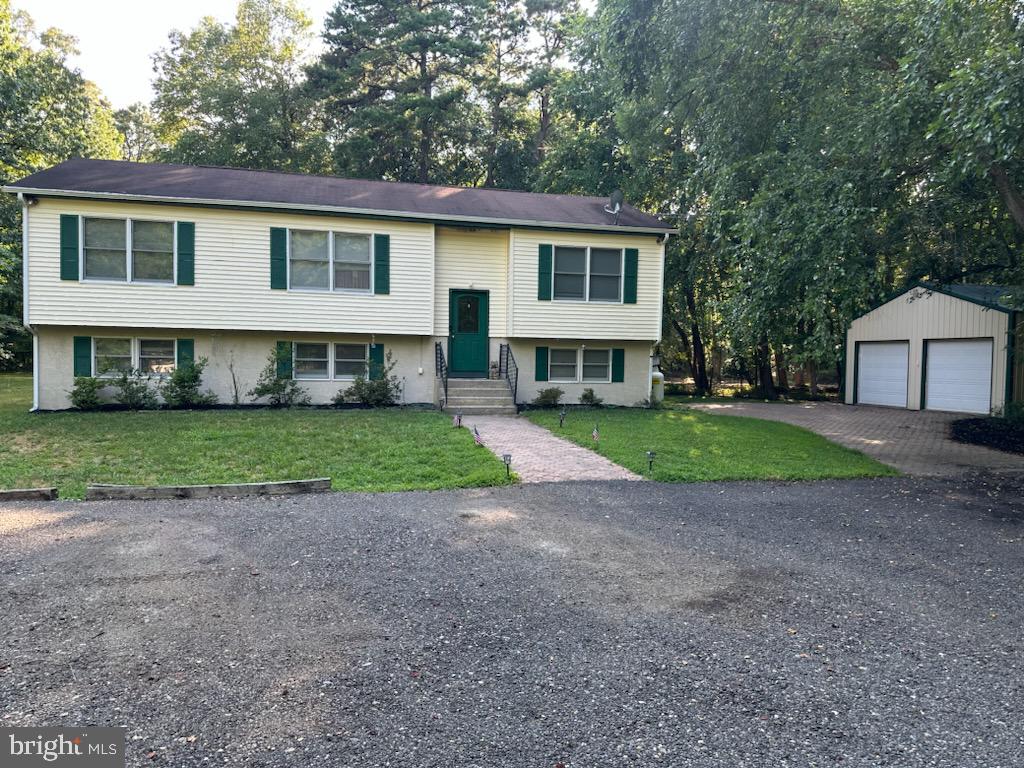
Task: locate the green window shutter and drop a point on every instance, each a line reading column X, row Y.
column 83, row 355
column 544, row 274
column 186, row 253
column 186, row 351
column 376, row 361
column 284, row 359
column 382, row 264
column 69, row 248
column 279, row 259
column 541, row 364
column 629, row 284
column 618, row 365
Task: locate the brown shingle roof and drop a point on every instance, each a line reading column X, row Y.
column 224, row 186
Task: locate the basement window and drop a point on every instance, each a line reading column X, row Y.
column 562, row 365
column 349, row 360
column 112, row 357
column 311, row 361
column 597, row 365
column 156, row 356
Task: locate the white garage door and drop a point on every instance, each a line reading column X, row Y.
column 959, row 376
column 882, row 373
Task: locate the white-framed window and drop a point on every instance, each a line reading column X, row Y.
column 585, row 273
column 310, row 360
column 562, row 364
column 319, row 260
column 597, row 365
column 127, row 250
column 112, row 356
column 157, row 356
column 350, row 360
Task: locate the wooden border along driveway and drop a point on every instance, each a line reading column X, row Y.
column 915, row 442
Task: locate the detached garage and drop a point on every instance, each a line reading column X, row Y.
column 949, row 348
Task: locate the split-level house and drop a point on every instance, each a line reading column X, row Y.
column 143, row 266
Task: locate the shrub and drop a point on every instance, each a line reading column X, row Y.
column 85, row 394
column 548, row 398
column 1014, row 412
column 281, row 393
column 134, row 392
column 382, row 390
column 181, row 388
column 589, row 398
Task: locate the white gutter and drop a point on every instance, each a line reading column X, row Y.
column 24, row 300
column 341, row 210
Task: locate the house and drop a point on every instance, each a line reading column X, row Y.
column 143, row 266
column 942, row 348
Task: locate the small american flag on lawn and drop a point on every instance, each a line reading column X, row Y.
column 476, row 436
column 595, row 434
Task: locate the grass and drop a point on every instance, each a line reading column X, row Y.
column 696, row 447
column 393, row 450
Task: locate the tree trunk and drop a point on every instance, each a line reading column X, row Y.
column 1012, row 198
column 780, row 368
column 426, row 129
column 812, row 374
column 545, row 123
column 764, row 371
column 700, row 362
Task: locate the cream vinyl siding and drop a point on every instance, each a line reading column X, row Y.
column 232, row 276
column 577, row 319
column 471, row 259
column 919, row 315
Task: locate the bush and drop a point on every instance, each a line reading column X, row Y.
column 85, row 394
column 1014, row 412
column 281, row 393
column 548, row 398
column 382, row 390
column 134, row 392
column 181, row 388
column 589, row 398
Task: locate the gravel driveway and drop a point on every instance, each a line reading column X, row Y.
column 855, row 623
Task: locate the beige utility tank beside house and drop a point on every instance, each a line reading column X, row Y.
column 944, row 348
column 144, row 266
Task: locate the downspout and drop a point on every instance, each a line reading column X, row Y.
column 1011, row 353
column 26, row 202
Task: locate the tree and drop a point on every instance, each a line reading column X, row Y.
column 48, row 113
column 235, row 94
column 139, row 133
column 395, row 80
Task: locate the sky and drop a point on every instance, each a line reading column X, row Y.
column 118, row 37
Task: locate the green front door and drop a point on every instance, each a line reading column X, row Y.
column 467, row 334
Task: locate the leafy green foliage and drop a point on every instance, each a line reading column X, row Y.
column 588, row 398
column 132, row 390
column 85, row 393
column 279, row 392
column 384, row 388
column 360, row 450
column 234, row 94
column 182, row 389
column 48, row 113
column 549, row 397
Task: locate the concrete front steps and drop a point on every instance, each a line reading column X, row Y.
column 478, row 397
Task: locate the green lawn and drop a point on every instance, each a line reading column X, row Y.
column 696, row 447
column 389, row 450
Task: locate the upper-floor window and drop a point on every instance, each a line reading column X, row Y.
column 587, row 274
column 129, row 250
column 326, row 261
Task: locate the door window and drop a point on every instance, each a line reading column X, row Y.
column 468, row 314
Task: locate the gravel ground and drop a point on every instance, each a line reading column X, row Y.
column 855, row 623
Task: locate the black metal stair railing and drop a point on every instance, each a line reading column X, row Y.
column 441, row 369
column 508, row 368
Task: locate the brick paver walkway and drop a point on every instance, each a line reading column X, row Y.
column 539, row 456
column 915, row 442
